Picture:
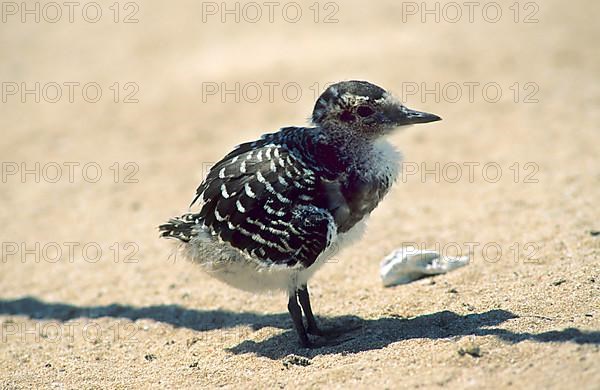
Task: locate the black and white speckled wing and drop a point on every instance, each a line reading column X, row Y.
column 261, row 199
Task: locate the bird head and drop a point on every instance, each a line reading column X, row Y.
column 364, row 108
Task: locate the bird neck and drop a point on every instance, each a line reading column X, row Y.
column 337, row 150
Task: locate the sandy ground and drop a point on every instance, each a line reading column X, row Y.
column 135, row 316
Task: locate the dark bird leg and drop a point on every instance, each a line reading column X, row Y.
column 304, row 300
column 313, row 328
column 296, row 314
column 301, row 295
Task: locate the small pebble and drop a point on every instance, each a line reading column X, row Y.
column 192, row 341
column 149, row 357
column 295, row 360
column 471, row 349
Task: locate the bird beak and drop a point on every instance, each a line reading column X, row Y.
column 402, row 116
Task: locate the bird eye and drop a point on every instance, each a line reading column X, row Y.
column 364, row 111
column 346, row 116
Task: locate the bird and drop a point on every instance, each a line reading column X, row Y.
column 275, row 210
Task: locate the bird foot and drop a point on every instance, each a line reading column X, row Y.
column 326, row 337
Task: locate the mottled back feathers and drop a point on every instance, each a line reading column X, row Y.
column 283, row 198
column 260, row 199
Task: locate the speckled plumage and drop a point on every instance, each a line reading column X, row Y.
column 274, row 210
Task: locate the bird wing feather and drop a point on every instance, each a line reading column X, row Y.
column 261, row 198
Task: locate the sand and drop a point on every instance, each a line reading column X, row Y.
column 92, row 298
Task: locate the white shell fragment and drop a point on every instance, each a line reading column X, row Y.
column 408, row 264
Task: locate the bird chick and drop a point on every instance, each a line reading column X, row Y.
column 273, row 211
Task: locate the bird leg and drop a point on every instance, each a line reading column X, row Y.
column 301, row 295
column 296, row 314
column 312, row 327
column 304, row 300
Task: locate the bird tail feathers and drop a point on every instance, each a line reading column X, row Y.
column 180, row 228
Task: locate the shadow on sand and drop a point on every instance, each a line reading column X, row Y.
column 365, row 334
